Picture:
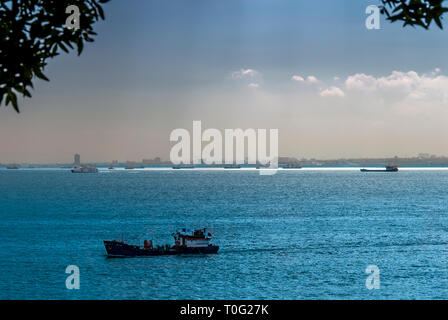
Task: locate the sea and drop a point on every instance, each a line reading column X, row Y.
column 299, row 234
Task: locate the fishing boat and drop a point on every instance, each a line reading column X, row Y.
column 388, row 169
column 196, row 242
column 12, row 166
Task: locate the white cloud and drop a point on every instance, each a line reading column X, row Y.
column 403, row 84
column 297, row 78
column 309, row 79
column 436, row 71
column 244, row 73
column 253, row 85
column 361, row 81
column 332, row 92
column 312, row 79
column 406, row 93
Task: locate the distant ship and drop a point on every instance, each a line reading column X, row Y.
column 232, row 166
column 388, row 169
column 290, row 166
column 12, row 166
column 84, row 169
column 183, row 167
column 197, row 242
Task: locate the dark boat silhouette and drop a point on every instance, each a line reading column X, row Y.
column 183, row 167
column 388, row 169
column 84, row 169
column 290, row 166
column 195, row 243
column 232, row 166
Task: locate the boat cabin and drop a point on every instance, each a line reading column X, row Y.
column 198, row 238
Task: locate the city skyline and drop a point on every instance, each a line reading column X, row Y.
column 313, row 71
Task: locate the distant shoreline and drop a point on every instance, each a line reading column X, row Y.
column 243, row 168
column 418, row 162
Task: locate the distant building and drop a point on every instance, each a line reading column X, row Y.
column 424, row 155
column 156, row 160
column 77, row 160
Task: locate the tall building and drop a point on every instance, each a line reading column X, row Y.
column 77, row 160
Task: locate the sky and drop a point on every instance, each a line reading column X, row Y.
column 310, row 69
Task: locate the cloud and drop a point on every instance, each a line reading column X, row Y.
column 297, row 78
column 253, row 85
column 244, row 73
column 309, row 79
column 402, row 84
column 406, row 93
column 312, row 79
column 332, row 92
column 361, row 81
column 436, row 71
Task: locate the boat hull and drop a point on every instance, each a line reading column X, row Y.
column 379, row 170
column 120, row 249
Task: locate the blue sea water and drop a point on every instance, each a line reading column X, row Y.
column 294, row 235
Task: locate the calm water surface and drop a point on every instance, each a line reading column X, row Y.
column 295, row 235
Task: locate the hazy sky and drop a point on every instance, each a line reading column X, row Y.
column 308, row 68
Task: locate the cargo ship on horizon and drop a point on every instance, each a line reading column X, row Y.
column 84, row 169
column 387, row 169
